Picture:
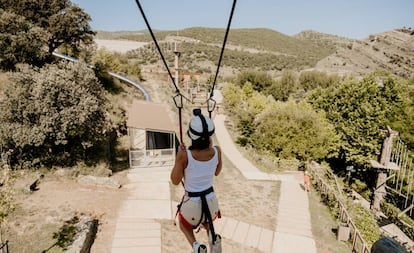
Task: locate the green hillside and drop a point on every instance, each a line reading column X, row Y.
column 260, row 48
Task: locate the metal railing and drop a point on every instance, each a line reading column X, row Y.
column 358, row 243
column 120, row 77
column 151, row 158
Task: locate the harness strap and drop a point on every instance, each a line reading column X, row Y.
column 200, row 194
column 192, row 195
column 205, row 210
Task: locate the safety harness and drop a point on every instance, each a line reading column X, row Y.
column 205, row 211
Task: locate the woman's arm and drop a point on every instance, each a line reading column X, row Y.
column 218, row 169
column 180, row 164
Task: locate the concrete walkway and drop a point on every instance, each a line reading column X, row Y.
column 149, row 199
column 138, row 231
column 293, row 229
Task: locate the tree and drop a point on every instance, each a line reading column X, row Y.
column 234, row 96
column 244, row 104
column 359, row 110
column 20, row 41
column 252, row 105
column 400, row 96
column 259, row 80
column 53, row 114
column 281, row 129
column 290, row 130
column 69, row 26
column 283, row 88
column 310, row 80
column 41, row 25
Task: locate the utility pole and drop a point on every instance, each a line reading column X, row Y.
column 383, row 167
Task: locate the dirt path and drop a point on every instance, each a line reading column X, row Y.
column 41, row 213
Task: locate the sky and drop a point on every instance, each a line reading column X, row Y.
column 355, row 19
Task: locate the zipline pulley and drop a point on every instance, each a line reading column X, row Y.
column 211, row 104
column 178, row 101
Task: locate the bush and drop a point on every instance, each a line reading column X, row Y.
column 289, row 130
column 361, row 188
column 365, row 222
column 54, row 115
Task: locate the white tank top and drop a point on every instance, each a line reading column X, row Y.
column 199, row 175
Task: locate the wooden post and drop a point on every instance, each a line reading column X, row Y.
column 380, row 189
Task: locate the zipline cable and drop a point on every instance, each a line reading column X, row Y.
column 158, row 47
column 178, row 99
column 221, row 57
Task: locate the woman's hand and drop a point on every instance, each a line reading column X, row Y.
column 180, row 164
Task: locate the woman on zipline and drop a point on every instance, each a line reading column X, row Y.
column 196, row 167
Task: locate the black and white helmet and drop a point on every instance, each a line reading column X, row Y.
column 200, row 126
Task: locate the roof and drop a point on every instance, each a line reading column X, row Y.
column 149, row 116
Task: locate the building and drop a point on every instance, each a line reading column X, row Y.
column 151, row 134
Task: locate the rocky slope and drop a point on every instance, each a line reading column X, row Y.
column 392, row 51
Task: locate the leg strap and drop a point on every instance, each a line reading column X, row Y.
column 205, row 210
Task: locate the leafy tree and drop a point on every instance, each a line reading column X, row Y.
column 252, row 105
column 290, row 130
column 358, row 110
column 259, row 80
column 105, row 61
column 69, row 26
column 20, row 41
column 244, row 104
column 50, row 24
column 285, row 130
column 283, row 88
column 310, row 80
column 53, row 115
column 117, row 62
column 400, row 97
column 234, row 96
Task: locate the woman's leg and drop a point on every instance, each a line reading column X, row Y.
column 188, row 232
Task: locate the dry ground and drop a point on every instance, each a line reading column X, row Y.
column 42, row 213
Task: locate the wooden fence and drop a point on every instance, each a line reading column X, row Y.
column 358, row 243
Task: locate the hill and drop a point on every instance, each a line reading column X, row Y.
column 271, row 51
column 261, row 49
column 392, row 51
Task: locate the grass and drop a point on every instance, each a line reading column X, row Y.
column 324, row 227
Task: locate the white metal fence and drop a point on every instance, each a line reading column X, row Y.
column 151, row 158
